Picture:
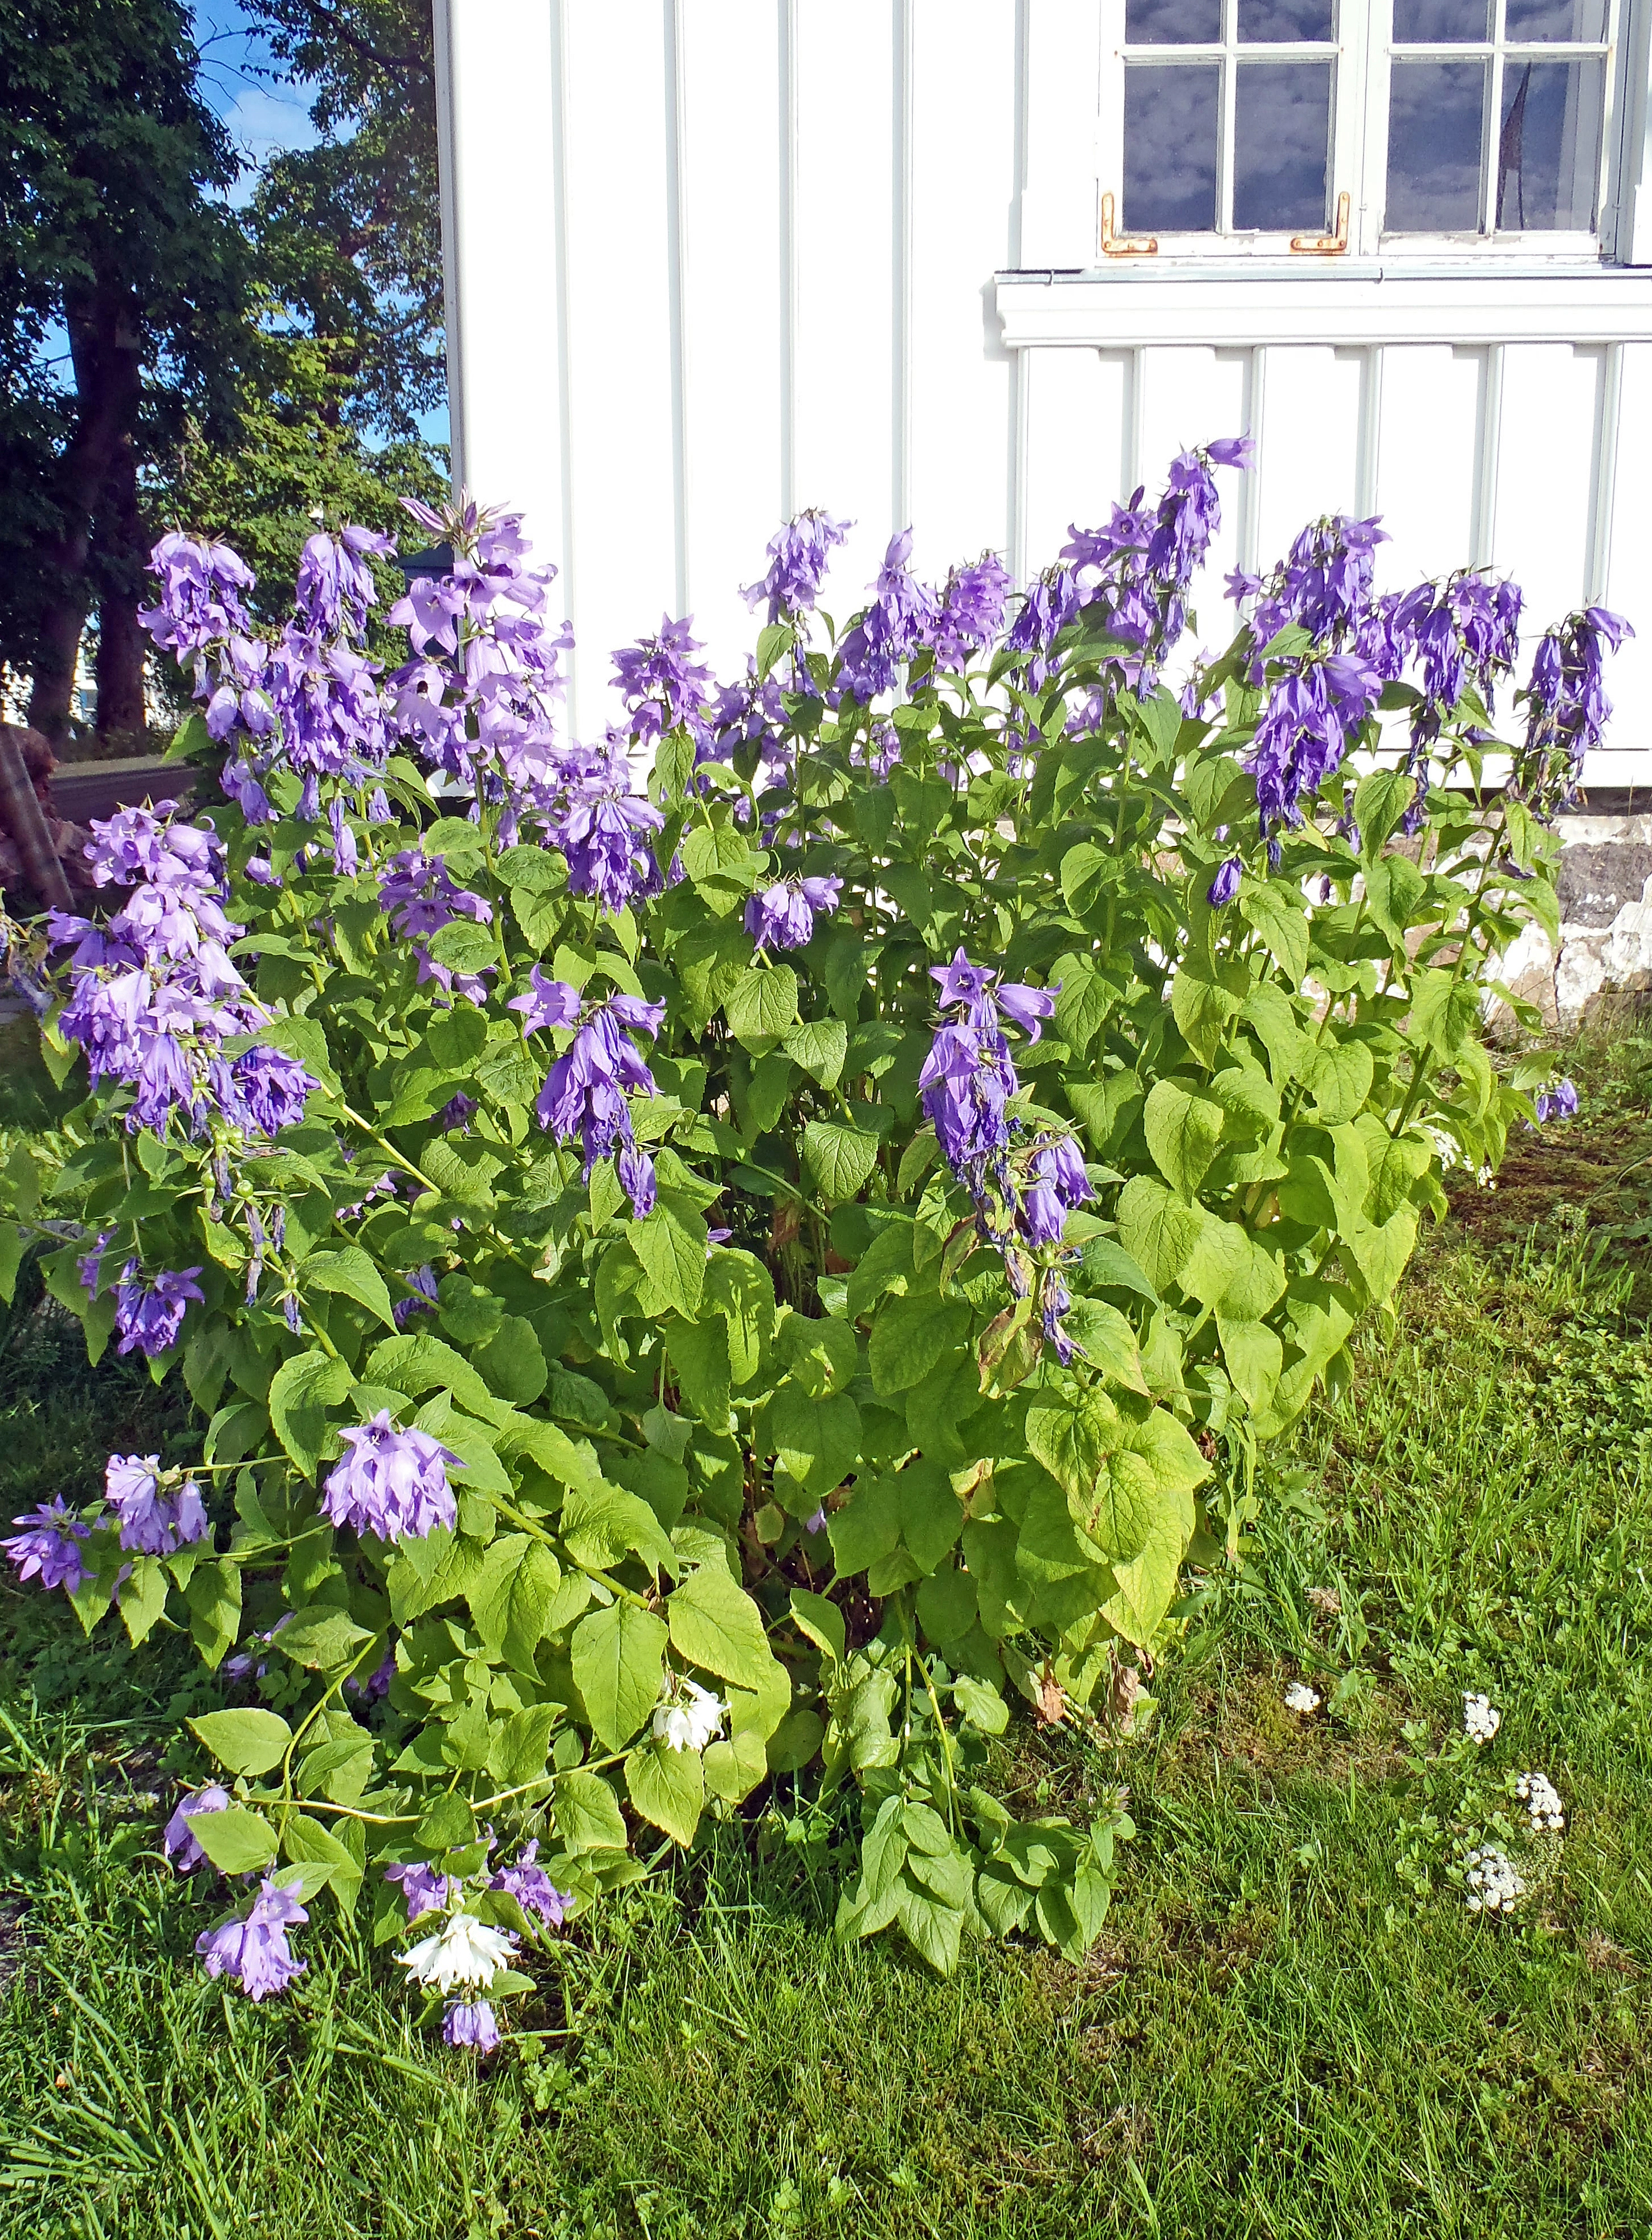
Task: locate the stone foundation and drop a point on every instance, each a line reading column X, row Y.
column 1605, row 947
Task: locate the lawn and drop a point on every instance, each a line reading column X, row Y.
column 1292, row 2025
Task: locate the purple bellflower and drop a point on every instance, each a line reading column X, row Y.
column 1225, row 885
column 1057, row 1182
column 782, row 916
column 586, row 1089
column 901, row 619
column 149, row 1316
column 662, row 686
column 177, row 1838
column 1556, row 1100
column 48, row 1549
column 470, row 2022
column 798, row 556
column 252, row 1949
column 392, row 1484
column 532, row 1887
column 424, row 1891
column 151, row 1522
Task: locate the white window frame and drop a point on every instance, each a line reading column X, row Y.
column 1365, row 50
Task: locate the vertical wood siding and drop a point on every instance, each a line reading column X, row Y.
column 713, row 261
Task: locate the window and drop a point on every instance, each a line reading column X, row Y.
column 1245, row 127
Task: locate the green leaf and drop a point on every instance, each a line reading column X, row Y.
column 1108, row 1267
column 510, row 1597
column 304, row 1038
column 819, row 1350
column 249, row 1742
column 463, row 946
column 11, row 1248
column 699, row 1354
column 308, row 1844
column 302, row 1390
column 667, row 1788
column 1283, row 929
column 671, row 1248
column 1157, row 1229
column 716, row 1626
column 1254, row 1357
column 415, row 1363
column 603, row 1524
column 1083, row 1007
column 711, row 852
column 618, row 1656
column 449, row 1823
column 322, row 1639
column 1183, row 1127
column 821, row 1621
column 815, row 1438
column 1380, row 799
column 238, row 1841
column 1086, row 873
column 520, row 1747
column 587, row 1814
column 142, row 1598
column 214, row 1596
column 839, row 1158
column 819, row 1046
column 1340, row 1081
column 1106, row 1338
column 1444, row 1007
column 762, row 1003
column 1202, row 1006
column 909, row 1336
column 350, row 1271
column 513, row 1360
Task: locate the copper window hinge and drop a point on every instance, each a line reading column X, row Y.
column 1125, row 244
column 1325, row 244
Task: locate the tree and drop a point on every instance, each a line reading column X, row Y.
column 348, row 233
column 111, row 169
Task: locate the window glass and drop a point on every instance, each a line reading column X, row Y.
column 1285, row 19
column 1434, row 111
column 1548, row 150
column 1170, row 122
column 1282, row 126
column 1556, row 19
column 1173, row 22
column 1421, row 22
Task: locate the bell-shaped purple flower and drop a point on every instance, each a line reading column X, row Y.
column 470, row 2022
column 532, row 1887
column 177, row 1838
column 782, row 916
column 798, row 555
column 149, row 1316
column 1556, row 1100
column 48, row 1549
column 423, row 1889
column 252, row 1949
column 1225, row 885
column 390, row 1483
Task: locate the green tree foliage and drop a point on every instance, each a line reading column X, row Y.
column 111, row 166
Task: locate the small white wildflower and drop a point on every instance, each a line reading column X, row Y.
column 1480, row 1718
column 1299, row 1696
column 1447, row 1149
column 1490, row 1882
column 1542, row 1800
column 463, row 1950
column 695, row 1719
column 1485, row 1178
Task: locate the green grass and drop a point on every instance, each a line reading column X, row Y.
column 1275, row 2036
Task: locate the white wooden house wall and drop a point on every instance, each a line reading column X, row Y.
column 712, row 261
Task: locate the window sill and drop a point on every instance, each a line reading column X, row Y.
column 1470, row 299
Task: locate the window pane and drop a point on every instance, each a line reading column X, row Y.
column 1548, row 152
column 1434, row 146
column 1285, row 19
column 1281, row 131
column 1170, row 148
column 1173, row 22
column 1418, row 21
column 1556, row 19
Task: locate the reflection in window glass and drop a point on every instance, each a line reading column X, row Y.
column 1285, row 19
column 1281, row 128
column 1434, row 146
column 1556, row 19
column 1548, row 150
column 1170, row 148
column 1419, row 22
column 1173, row 22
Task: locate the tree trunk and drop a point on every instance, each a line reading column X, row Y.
column 104, row 346
column 119, row 559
